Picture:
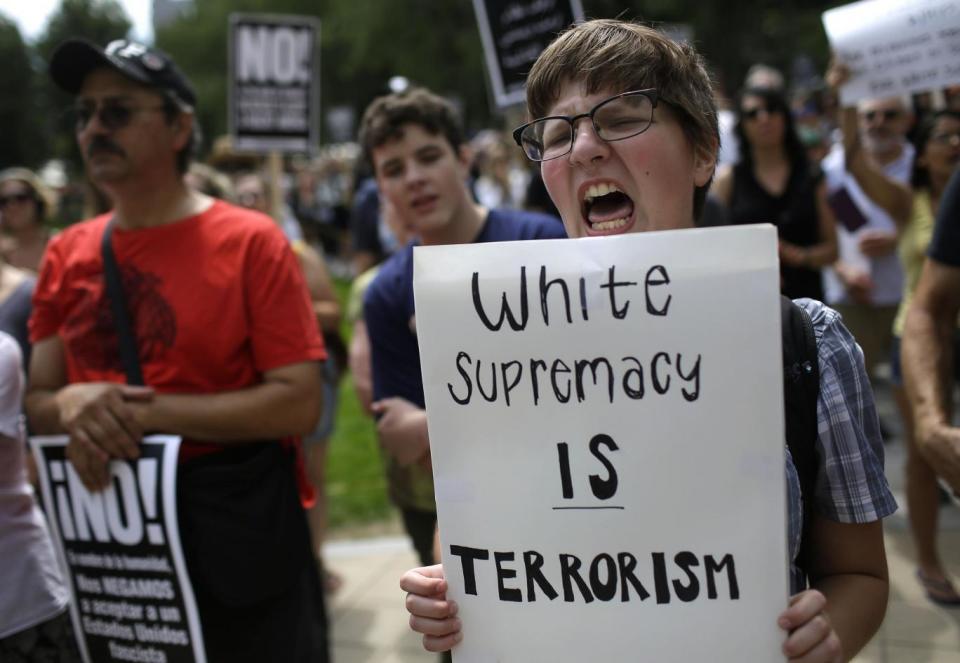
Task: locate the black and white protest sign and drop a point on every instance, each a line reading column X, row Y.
column 606, row 429
column 275, row 82
column 514, row 32
column 895, row 47
column 132, row 598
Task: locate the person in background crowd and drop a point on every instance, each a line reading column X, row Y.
column 500, row 182
column 34, row 622
column 774, row 183
column 16, row 291
column 661, row 166
column 230, row 357
column 868, row 187
column 938, row 157
column 207, row 179
column 25, row 205
column 416, row 145
column 252, row 192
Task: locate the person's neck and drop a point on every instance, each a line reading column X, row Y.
column 884, row 157
column 937, row 186
column 462, row 229
column 768, row 157
column 31, row 235
column 146, row 205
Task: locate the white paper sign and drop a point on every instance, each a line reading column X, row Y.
column 895, row 46
column 131, row 596
column 606, row 426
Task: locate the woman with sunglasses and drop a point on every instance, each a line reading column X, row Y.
column 774, row 183
column 20, row 207
column 938, row 157
column 25, row 204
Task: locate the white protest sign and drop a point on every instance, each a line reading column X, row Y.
column 895, row 47
column 132, row 598
column 275, row 82
column 606, row 427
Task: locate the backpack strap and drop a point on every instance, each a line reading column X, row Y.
column 801, row 390
column 126, row 335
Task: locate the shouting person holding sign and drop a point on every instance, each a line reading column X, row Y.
column 627, row 139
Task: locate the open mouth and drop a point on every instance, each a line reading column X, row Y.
column 423, row 203
column 605, row 208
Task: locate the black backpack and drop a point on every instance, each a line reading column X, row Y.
column 801, row 388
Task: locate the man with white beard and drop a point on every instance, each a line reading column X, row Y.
column 868, row 187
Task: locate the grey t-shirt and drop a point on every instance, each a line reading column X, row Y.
column 14, row 314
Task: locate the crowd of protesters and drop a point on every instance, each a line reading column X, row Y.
column 853, row 192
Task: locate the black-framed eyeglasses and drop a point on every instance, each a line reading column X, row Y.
column 112, row 115
column 621, row 116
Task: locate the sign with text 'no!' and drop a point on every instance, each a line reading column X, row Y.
column 275, row 82
column 606, row 428
column 514, row 32
column 895, row 47
column 132, row 597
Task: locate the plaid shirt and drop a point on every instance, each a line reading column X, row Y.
column 851, row 486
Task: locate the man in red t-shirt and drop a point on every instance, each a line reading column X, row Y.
column 226, row 339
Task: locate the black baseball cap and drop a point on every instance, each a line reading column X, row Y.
column 75, row 58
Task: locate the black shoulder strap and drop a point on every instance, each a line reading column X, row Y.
column 118, row 304
column 801, row 389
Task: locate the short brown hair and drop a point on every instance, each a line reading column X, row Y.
column 385, row 117
column 607, row 54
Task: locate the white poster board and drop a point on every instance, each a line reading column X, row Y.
column 131, row 597
column 895, row 47
column 635, row 516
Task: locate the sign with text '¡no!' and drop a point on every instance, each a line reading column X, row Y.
column 895, row 47
column 606, row 428
column 274, row 86
column 132, row 597
column 514, row 32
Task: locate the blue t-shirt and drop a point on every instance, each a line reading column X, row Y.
column 388, row 304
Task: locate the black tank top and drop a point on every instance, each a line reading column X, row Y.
column 794, row 213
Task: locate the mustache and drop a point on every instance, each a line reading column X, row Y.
column 103, row 144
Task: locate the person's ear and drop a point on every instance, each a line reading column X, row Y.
column 465, row 157
column 183, row 127
column 705, row 162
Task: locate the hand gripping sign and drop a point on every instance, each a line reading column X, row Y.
column 132, row 598
column 606, row 428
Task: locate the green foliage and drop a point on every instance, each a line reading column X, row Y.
column 21, row 140
column 356, row 486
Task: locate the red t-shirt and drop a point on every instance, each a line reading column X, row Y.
column 216, row 299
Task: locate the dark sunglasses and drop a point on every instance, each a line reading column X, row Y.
column 754, row 113
column 111, row 115
column 887, row 115
column 16, row 198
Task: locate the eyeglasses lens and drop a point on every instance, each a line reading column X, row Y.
column 614, row 119
column 111, row 116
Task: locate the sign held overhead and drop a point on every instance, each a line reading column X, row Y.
column 274, row 90
column 514, row 32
